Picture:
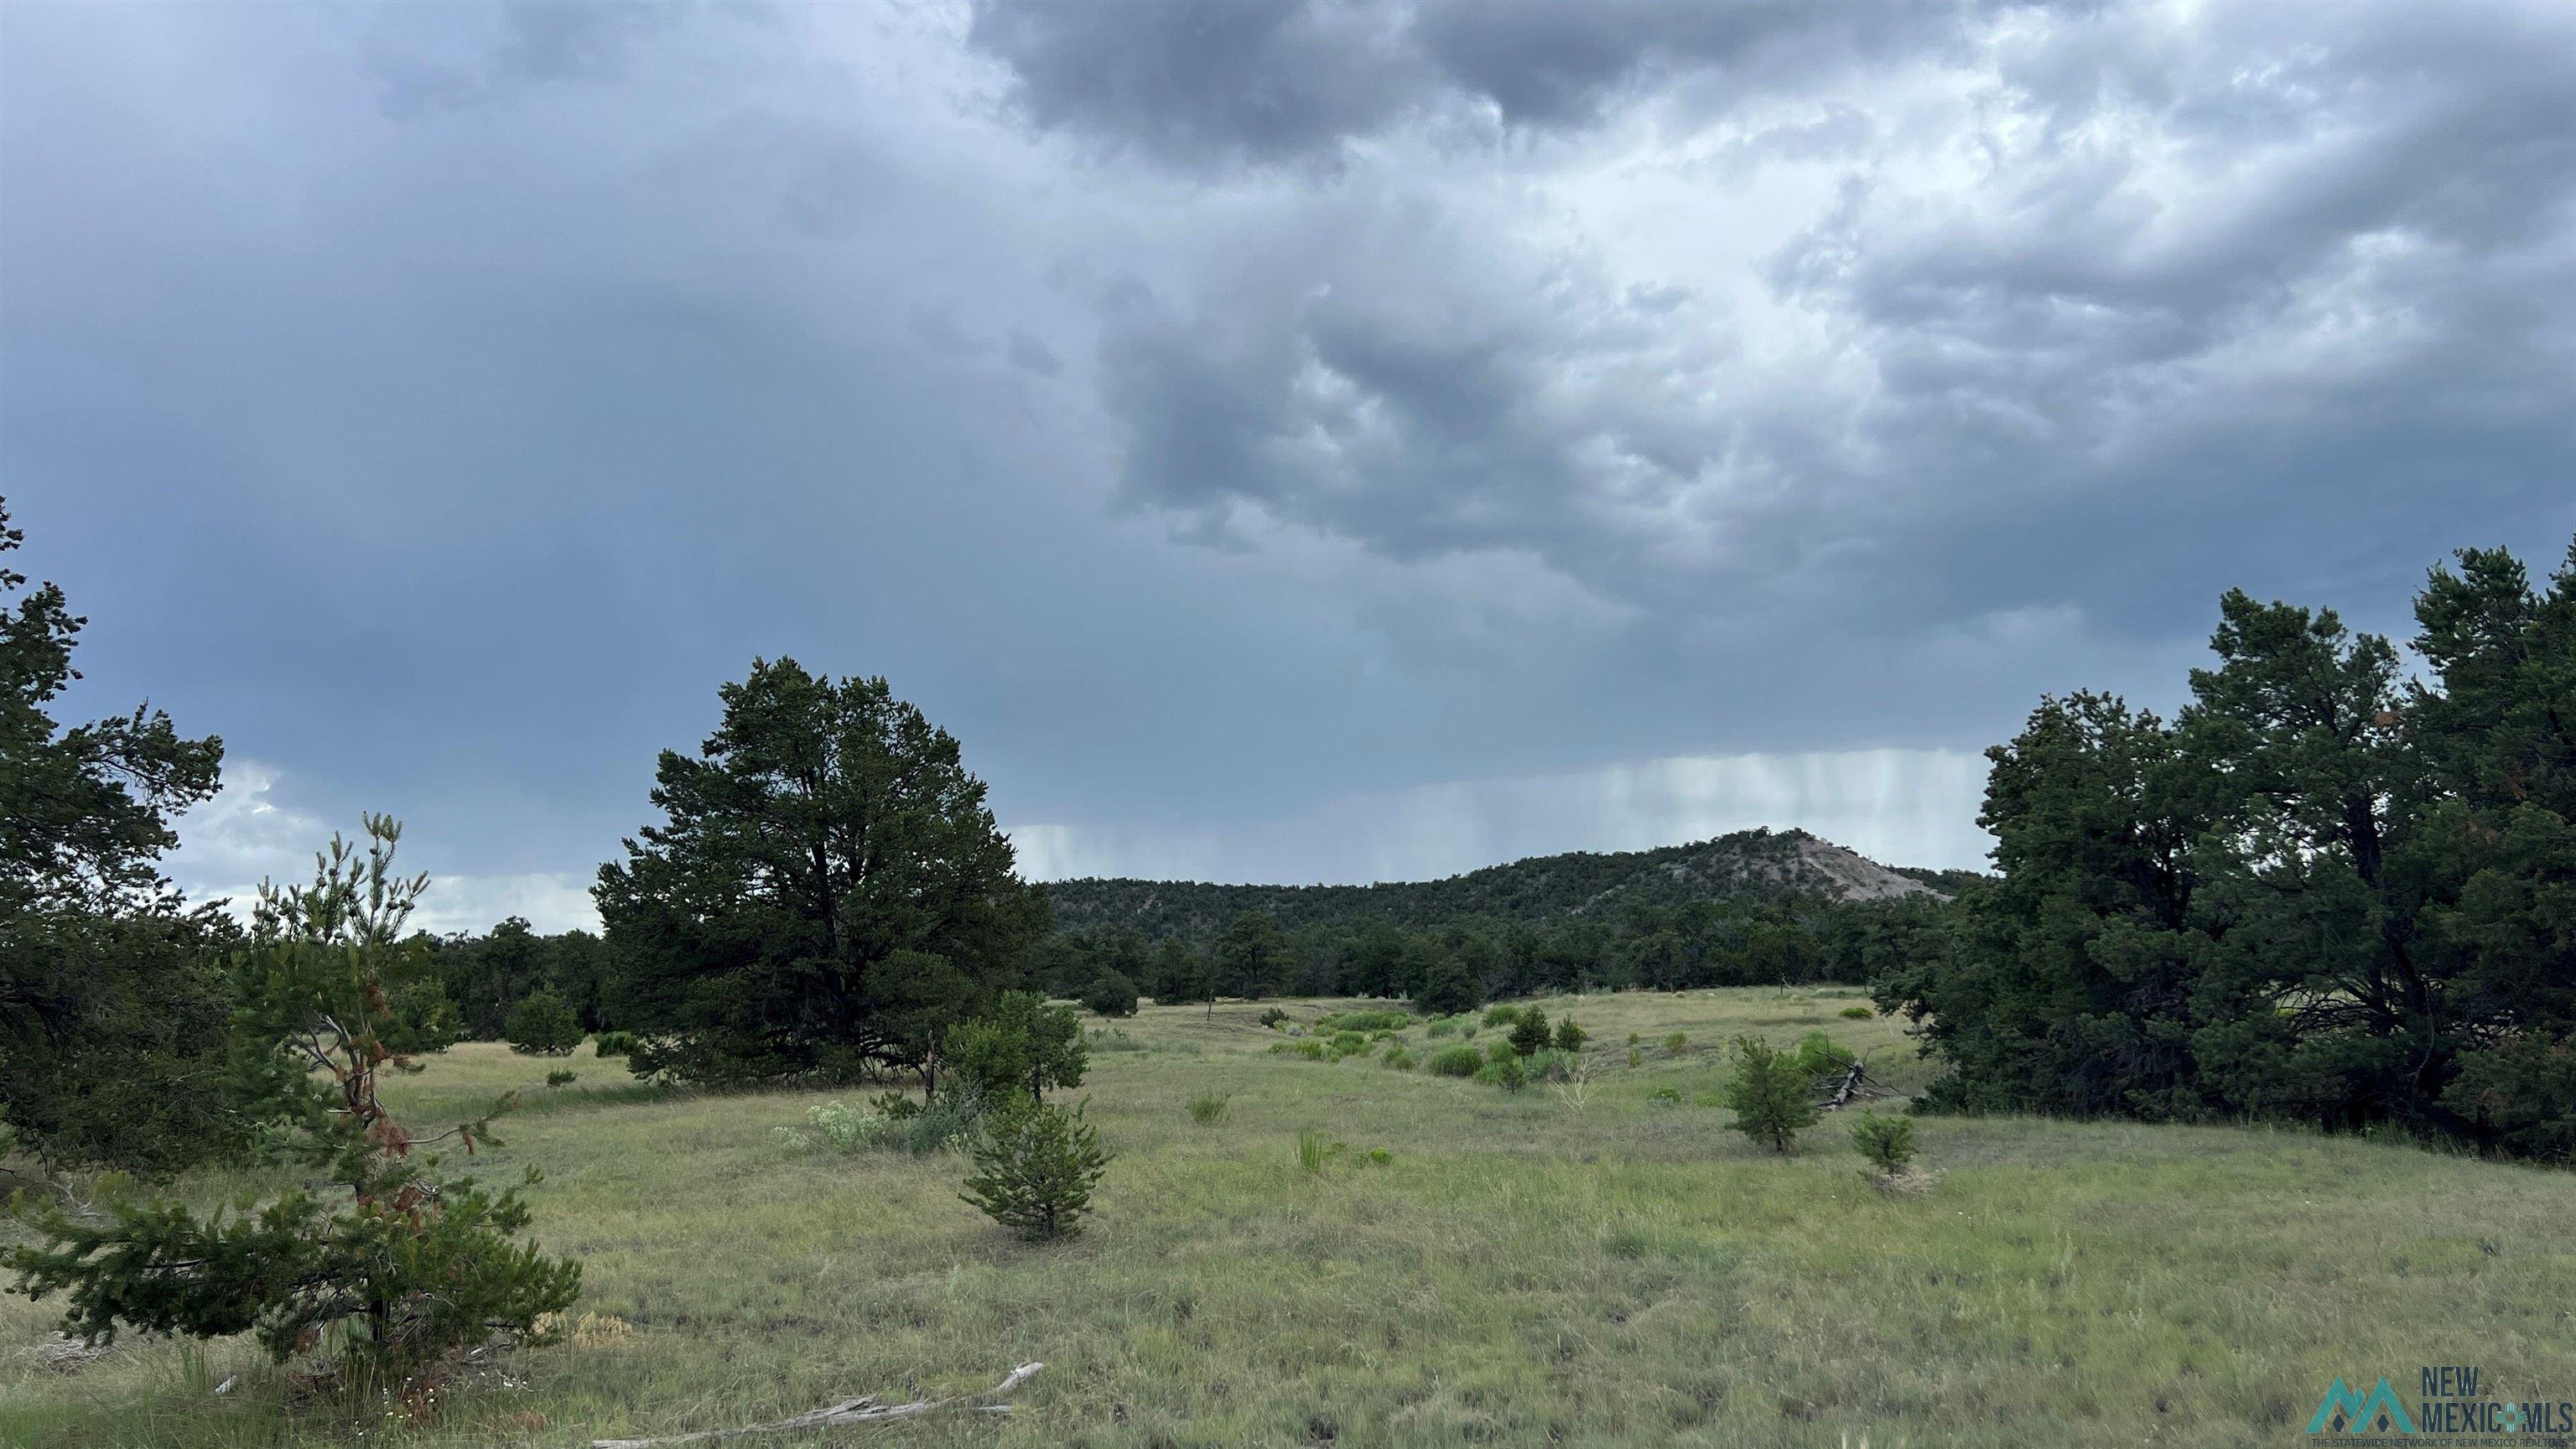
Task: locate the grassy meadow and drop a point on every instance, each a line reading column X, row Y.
column 1523, row 1269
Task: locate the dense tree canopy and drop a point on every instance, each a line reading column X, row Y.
column 112, row 998
column 827, row 895
column 2322, row 891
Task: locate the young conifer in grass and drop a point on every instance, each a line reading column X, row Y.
column 1887, row 1142
column 1774, row 1099
column 1035, row 1169
column 411, row 1267
column 1530, row 1034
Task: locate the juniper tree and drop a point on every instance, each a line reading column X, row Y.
column 1111, row 993
column 543, row 1024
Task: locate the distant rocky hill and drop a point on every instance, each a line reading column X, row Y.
column 1751, row 863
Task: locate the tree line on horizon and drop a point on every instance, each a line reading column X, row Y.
column 2324, row 891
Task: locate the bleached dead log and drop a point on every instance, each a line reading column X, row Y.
column 866, row 1409
column 1854, row 1083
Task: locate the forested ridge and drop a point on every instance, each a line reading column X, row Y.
column 1747, row 865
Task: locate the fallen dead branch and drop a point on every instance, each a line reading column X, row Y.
column 1842, row 1088
column 866, row 1409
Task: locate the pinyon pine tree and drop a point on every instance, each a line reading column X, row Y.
column 411, row 1267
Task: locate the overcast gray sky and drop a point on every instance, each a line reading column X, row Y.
column 1319, row 441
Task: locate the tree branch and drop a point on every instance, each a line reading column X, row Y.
column 866, row 1409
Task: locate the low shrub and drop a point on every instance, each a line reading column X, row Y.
column 1665, row 1096
column 1035, row 1167
column 1271, row 1016
column 1636, row 1058
column 1512, row 1075
column 1456, row 1061
column 1531, row 1033
column 1398, row 1059
column 614, row 1044
column 1677, row 1041
column 1208, row 1110
column 561, row 1078
column 1366, row 1021
column 1111, row 994
column 1441, row 1028
column 1569, row 1037
column 1633, row 1038
column 1349, row 1044
column 950, row 1121
column 1502, row 1015
column 1379, row 1157
column 1858, row 1013
column 1817, row 1056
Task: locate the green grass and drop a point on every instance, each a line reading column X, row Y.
column 1512, row 1270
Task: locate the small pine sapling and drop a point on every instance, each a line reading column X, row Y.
column 1530, row 1034
column 414, row 1268
column 1887, row 1142
column 1035, row 1169
column 1773, row 1097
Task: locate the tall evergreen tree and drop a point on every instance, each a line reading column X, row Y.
column 2320, row 893
column 828, row 893
column 1250, row 958
column 113, row 1006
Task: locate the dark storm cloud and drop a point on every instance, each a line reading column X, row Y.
column 2261, row 261
column 1535, row 425
column 1202, row 81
